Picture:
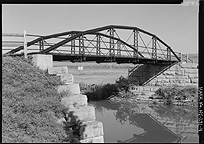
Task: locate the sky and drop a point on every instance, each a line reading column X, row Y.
column 176, row 25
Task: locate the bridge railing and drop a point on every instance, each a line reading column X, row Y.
column 184, row 57
column 11, row 41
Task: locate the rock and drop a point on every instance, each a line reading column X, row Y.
column 85, row 113
column 74, row 101
column 194, row 80
column 189, row 65
column 191, row 71
column 42, row 61
column 99, row 139
column 170, row 76
column 192, row 75
column 66, row 78
column 169, row 73
column 180, row 72
column 61, row 121
column 92, row 129
column 70, row 88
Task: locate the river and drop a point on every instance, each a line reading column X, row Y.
column 146, row 123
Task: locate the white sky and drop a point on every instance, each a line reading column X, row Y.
column 176, row 25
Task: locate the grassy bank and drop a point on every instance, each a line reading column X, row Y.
column 30, row 104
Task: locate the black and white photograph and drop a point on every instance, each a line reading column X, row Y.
column 101, row 73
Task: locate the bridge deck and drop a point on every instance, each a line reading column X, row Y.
column 104, row 59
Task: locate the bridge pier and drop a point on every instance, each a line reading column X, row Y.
column 164, row 75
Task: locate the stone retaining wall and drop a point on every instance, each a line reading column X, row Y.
column 74, row 101
column 78, row 107
column 182, row 74
column 179, row 74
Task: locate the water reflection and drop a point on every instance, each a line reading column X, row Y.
column 122, row 124
column 177, row 113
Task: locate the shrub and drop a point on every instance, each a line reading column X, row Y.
column 178, row 92
column 99, row 92
column 122, row 83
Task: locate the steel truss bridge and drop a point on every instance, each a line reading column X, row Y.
column 113, row 43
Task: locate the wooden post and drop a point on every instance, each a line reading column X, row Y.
column 25, row 44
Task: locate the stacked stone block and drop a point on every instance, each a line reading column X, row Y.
column 42, row 61
column 182, row 74
column 78, row 106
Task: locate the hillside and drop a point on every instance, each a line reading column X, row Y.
column 30, row 104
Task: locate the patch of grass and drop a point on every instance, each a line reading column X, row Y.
column 30, row 103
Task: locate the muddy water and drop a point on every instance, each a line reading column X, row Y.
column 146, row 124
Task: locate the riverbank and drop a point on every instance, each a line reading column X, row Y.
column 171, row 95
column 123, row 91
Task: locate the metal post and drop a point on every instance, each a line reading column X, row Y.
column 111, row 51
column 42, row 45
column 154, row 48
column 98, row 45
column 72, row 46
column 168, row 54
column 81, row 44
column 118, row 48
column 135, row 42
column 25, row 45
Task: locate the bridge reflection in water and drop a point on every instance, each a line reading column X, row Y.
column 141, row 124
column 155, row 132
